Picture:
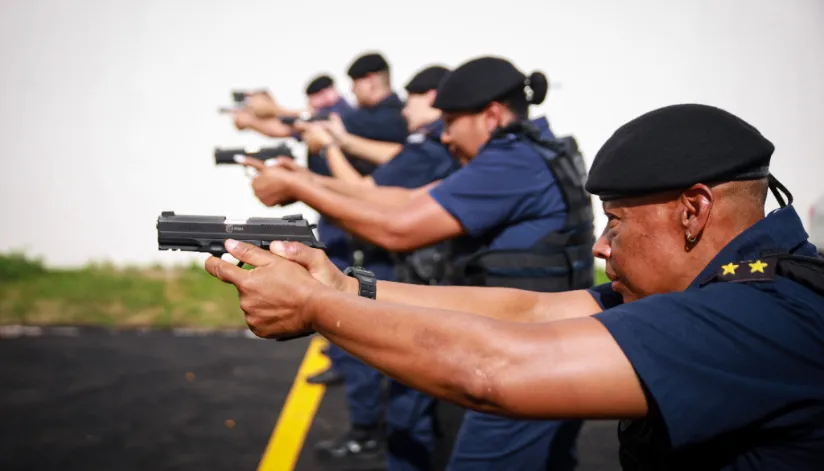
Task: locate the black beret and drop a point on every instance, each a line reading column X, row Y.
column 366, row 64
column 318, row 84
column 675, row 147
column 481, row 81
column 427, row 79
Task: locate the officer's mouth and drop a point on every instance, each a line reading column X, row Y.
column 615, row 279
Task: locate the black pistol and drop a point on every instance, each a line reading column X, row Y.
column 239, row 96
column 291, row 120
column 239, row 100
column 227, row 156
column 208, row 233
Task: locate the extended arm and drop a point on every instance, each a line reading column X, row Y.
column 564, row 369
column 377, row 152
column 367, row 191
column 500, row 303
column 263, row 105
column 271, row 127
column 420, row 222
column 342, row 169
column 569, row 368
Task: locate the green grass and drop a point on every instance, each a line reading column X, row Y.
column 600, row 277
column 104, row 295
column 109, row 296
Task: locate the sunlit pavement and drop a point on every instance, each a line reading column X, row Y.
column 95, row 399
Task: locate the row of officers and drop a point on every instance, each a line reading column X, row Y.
column 397, row 196
column 707, row 343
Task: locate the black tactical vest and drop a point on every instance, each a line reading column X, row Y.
column 562, row 260
column 645, row 442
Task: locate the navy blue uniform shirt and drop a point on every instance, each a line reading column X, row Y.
column 339, row 107
column 423, row 160
column 316, row 163
column 506, row 197
column 382, row 122
column 733, row 371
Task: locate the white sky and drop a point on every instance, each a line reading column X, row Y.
column 108, row 107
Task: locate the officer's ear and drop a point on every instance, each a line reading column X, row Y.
column 431, row 95
column 493, row 115
column 694, row 206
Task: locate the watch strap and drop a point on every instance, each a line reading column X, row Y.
column 367, row 284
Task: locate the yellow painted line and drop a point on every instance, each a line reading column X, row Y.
column 298, row 411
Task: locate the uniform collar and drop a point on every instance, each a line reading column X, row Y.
column 338, row 107
column 781, row 230
column 393, row 100
column 434, row 129
column 543, row 125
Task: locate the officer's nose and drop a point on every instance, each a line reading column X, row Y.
column 601, row 249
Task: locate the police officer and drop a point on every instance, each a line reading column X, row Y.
column 520, row 217
column 409, row 414
column 324, row 99
column 263, row 113
column 708, row 343
column 377, row 116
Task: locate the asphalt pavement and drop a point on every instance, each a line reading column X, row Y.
column 88, row 399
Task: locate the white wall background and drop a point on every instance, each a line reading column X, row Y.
column 108, row 107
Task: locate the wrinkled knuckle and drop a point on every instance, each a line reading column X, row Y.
column 242, row 249
column 255, row 329
column 246, row 305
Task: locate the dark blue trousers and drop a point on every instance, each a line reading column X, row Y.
column 492, row 443
column 410, row 429
column 408, row 414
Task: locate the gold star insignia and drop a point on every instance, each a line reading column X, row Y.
column 729, row 269
column 758, row 266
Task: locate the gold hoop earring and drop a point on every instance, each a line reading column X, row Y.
column 690, row 238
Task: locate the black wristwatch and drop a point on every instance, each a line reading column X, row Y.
column 367, row 285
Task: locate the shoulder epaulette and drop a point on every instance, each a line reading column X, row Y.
column 748, row 270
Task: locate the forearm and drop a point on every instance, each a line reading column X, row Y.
column 369, row 221
column 443, row 353
column 271, row 127
column 290, row 113
column 499, row 303
column 549, row 370
column 377, row 152
column 367, row 191
column 341, row 168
